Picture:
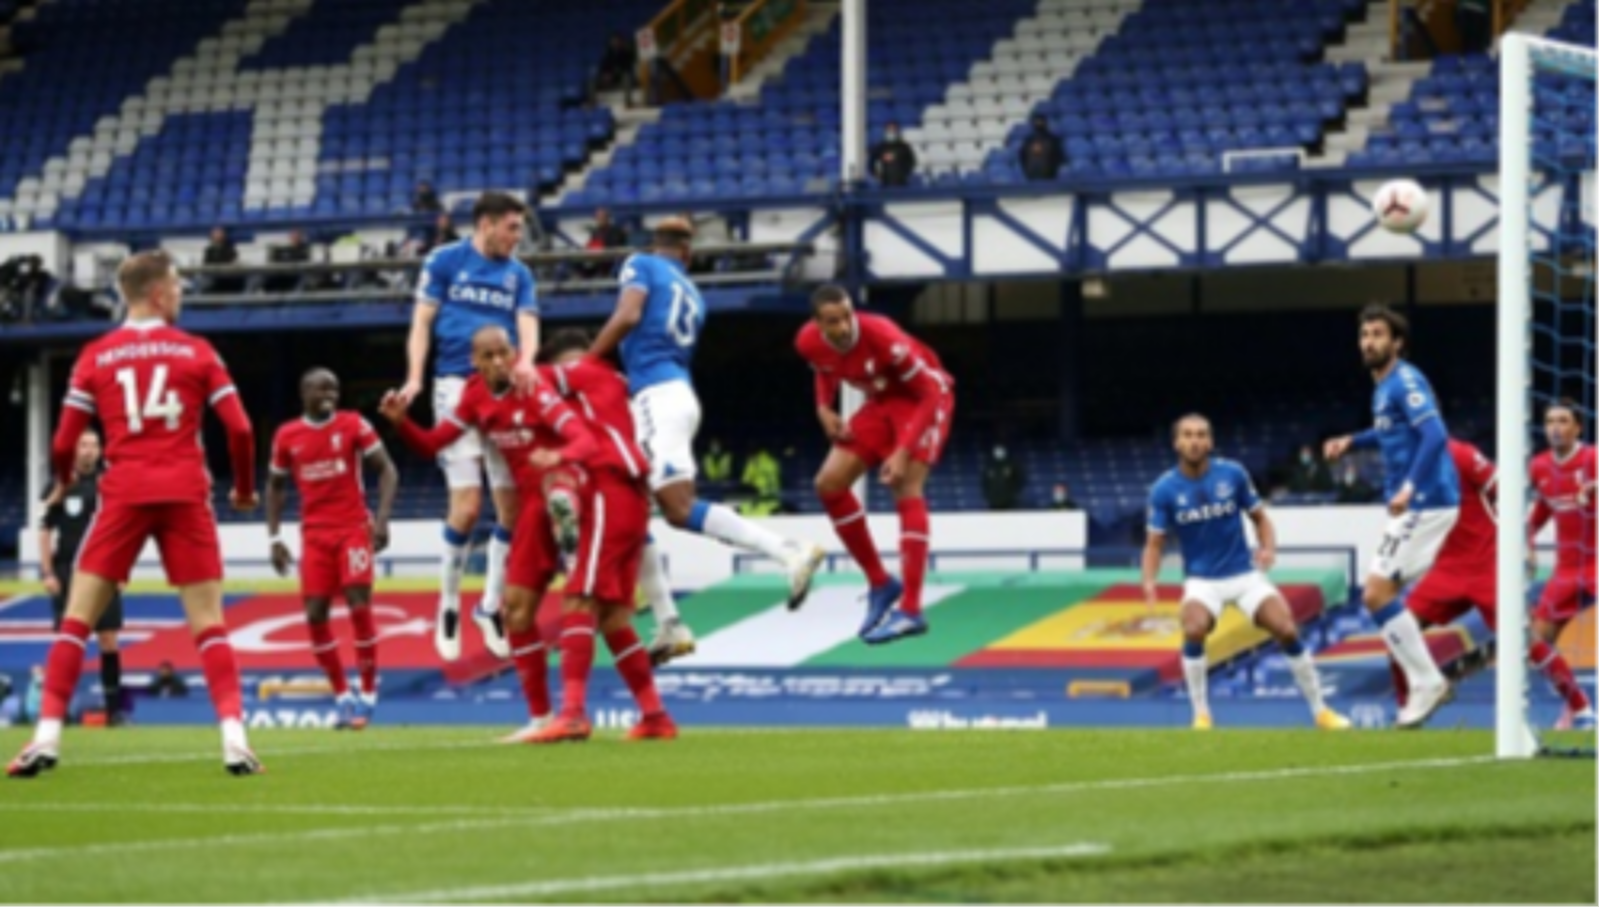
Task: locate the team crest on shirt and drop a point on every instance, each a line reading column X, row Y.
column 1182, row 500
column 462, row 277
column 898, row 351
column 337, row 442
column 517, row 418
column 74, row 506
column 510, row 280
column 1224, row 489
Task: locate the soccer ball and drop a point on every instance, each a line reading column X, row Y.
column 1400, row 206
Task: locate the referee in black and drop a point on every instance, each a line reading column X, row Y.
column 65, row 524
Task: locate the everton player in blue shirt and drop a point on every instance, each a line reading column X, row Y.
column 654, row 329
column 464, row 286
column 1423, row 493
column 1204, row 501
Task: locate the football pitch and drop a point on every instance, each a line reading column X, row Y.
column 1120, row 816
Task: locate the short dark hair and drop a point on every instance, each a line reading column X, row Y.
column 1398, row 325
column 827, row 294
column 674, row 233
column 1178, row 422
column 1567, row 404
column 496, row 204
column 565, row 341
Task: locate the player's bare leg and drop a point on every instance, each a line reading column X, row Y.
column 1543, row 654
column 530, row 656
column 633, row 664
column 202, row 606
column 914, row 540
column 579, row 621
column 1428, row 688
column 490, row 623
column 1197, row 624
column 1275, row 618
column 90, row 596
column 673, row 639
column 683, row 509
column 834, row 484
column 359, row 599
column 465, row 506
column 563, row 497
column 325, row 651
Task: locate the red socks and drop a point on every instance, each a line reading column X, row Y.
column 577, row 659
column 633, row 663
column 1547, row 659
column 221, row 672
column 532, row 662
column 366, row 648
column 325, row 649
column 62, row 668
column 913, row 543
column 849, row 521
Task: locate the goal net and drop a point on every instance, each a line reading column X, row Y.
column 1547, row 343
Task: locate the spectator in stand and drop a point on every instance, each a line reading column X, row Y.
column 763, row 476
column 1474, row 19
column 1003, row 480
column 717, row 464
column 443, row 232
column 1353, row 488
column 618, row 66
column 1309, row 473
column 892, row 160
column 425, row 200
column 167, row 684
column 296, row 251
column 221, row 251
column 1041, row 154
column 1060, row 498
column 605, row 234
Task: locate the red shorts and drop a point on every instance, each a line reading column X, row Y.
column 332, row 560
column 534, row 558
column 185, row 533
column 1569, row 591
column 879, row 429
column 1444, row 595
column 616, row 525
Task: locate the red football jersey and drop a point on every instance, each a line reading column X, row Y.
column 1564, row 490
column 1471, row 543
column 883, row 363
column 150, row 383
column 325, row 460
column 599, row 393
column 516, row 425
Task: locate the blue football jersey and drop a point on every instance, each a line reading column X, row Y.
column 471, row 291
column 1402, row 402
column 1207, row 515
column 660, row 347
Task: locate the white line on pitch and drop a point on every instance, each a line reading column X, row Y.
column 286, row 809
column 633, row 814
column 748, row 872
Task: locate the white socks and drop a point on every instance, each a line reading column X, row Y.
column 48, row 730
column 657, row 588
column 1196, row 672
column 1409, row 648
column 233, row 734
column 494, row 574
column 1304, row 671
column 726, row 526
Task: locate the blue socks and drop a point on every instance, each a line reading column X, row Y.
column 1193, row 649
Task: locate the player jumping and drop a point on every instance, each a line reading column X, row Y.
column 1465, row 576
column 324, row 450
column 655, row 327
column 602, row 579
column 464, row 286
column 149, row 383
column 1563, row 481
column 1204, row 501
column 901, row 431
column 1423, row 500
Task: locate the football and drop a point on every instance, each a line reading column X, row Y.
column 1400, row 206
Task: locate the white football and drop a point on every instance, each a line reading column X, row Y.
column 1400, row 206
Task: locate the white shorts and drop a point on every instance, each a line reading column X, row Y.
column 666, row 418
column 463, row 462
column 1248, row 591
column 1410, row 543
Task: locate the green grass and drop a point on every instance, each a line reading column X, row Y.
column 1076, row 816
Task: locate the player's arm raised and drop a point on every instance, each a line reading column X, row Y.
column 425, row 442
column 527, row 336
column 417, row 345
column 629, row 312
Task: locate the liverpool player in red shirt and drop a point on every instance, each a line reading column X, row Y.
column 1563, row 485
column 518, row 426
column 149, row 384
column 901, row 430
column 602, row 582
column 1464, row 577
column 324, row 450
